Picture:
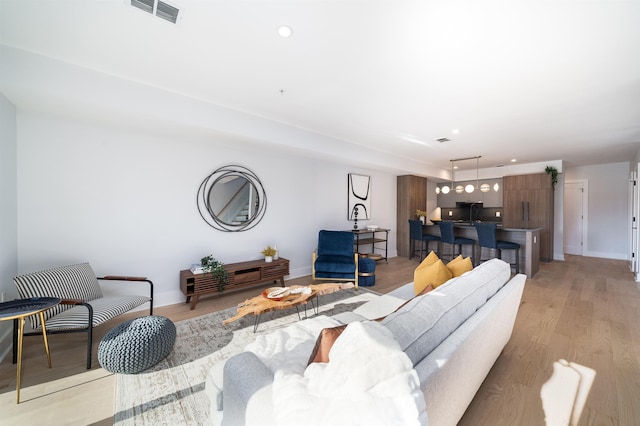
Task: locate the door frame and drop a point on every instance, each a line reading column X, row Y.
column 634, row 233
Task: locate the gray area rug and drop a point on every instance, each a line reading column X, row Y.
column 172, row 392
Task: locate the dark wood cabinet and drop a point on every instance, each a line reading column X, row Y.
column 412, row 195
column 241, row 276
column 528, row 203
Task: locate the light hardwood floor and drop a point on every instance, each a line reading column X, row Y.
column 583, row 310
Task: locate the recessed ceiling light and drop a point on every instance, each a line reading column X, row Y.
column 455, row 131
column 285, row 31
column 513, row 160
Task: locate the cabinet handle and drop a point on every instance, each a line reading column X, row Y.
column 522, row 210
column 527, row 212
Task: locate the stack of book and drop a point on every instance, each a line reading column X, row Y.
column 196, row 268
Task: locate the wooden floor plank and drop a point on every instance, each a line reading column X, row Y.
column 584, row 310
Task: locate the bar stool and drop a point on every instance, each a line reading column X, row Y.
column 487, row 238
column 415, row 234
column 447, row 235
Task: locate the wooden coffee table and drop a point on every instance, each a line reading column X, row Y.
column 260, row 304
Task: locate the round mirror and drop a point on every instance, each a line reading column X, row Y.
column 232, row 199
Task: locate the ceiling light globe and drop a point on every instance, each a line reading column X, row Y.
column 445, row 189
column 285, row 31
column 469, row 189
column 485, row 187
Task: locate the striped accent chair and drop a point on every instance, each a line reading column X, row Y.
column 83, row 304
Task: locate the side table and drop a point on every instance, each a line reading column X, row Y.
column 365, row 237
column 20, row 309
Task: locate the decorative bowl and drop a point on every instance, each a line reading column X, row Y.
column 372, row 227
column 276, row 293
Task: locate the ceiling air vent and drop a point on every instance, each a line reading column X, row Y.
column 161, row 9
column 146, row 5
column 443, row 140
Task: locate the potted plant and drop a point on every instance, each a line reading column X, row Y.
column 554, row 175
column 216, row 269
column 268, row 253
column 421, row 214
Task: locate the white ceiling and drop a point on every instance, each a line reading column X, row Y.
column 531, row 80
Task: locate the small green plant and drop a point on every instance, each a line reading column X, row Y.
column 269, row 251
column 421, row 213
column 216, row 269
column 554, row 175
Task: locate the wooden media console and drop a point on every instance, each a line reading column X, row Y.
column 242, row 275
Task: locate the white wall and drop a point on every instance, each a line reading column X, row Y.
column 8, row 213
column 608, row 210
column 432, row 197
column 126, row 201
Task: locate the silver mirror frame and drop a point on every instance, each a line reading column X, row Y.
column 204, row 205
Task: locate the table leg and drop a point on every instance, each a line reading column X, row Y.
column 194, row 301
column 20, row 334
column 44, row 336
column 256, row 322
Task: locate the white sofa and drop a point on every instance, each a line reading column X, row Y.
column 452, row 335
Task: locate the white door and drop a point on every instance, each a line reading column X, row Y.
column 573, row 217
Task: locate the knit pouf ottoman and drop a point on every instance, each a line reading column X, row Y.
column 366, row 272
column 136, row 345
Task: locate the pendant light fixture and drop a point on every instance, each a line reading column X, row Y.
column 445, row 188
column 469, row 188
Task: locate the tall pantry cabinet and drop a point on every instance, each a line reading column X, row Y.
column 528, row 203
column 412, row 195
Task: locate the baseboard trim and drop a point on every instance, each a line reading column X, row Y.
column 618, row 256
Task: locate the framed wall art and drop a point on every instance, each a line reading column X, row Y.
column 359, row 198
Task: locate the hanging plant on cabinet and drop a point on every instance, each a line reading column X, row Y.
column 216, row 269
column 554, row 175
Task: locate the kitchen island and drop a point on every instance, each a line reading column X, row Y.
column 528, row 238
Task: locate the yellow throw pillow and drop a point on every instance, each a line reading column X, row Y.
column 430, row 259
column 434, row 274
column 460, row 266
column 456, row 260
column 419, row 278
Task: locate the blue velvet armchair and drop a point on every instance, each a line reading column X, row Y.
column 334, row 259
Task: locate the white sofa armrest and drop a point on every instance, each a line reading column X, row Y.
column 245, row 379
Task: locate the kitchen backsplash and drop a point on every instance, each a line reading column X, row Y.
column 485, row 214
